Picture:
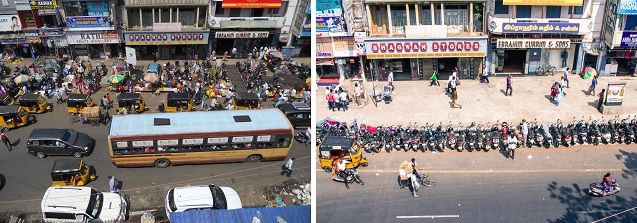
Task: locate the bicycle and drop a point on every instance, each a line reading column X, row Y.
column 424, row 180
column 543, row 71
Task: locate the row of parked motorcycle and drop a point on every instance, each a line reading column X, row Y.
column 484, row 137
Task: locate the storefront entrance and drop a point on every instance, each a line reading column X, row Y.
column 510, row 61
column 446, row 65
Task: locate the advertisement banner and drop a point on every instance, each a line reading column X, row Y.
column 544, row 2
column 344, row 47
column 627, row 7
column 615, row 94
column 22, row 5
column 528, row 27
column 533, row 43
column 324, row 47
column 51, row 32
column 165, row 38
column 43, row 4
column 629, row 39
column 272, row 4
column 131, row 56
column 10, row 23
column 88, row 22
column 241, row 35
column 326, row 8
column 93, row 37
column 359, row 40
column 97, row 8
column 434, row 48
column 47, row 12
column 331, row 24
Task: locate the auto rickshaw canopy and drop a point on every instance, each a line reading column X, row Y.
column 128, row 98
column 79, row 99
column 29, row 98
column 337, row 143
column 173, row 98
column 66, row 166
column 247, row 99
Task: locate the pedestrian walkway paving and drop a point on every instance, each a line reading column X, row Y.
column 416, row 101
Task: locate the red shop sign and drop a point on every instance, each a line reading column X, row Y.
column 383, row 47
column 399, row 47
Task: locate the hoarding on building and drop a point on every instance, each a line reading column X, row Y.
column 528, row 27
column 544, row 2
column 241, row 35
column 93, row 37
column 629, row 39
column 344, row 46
column 165, row 38
column 406, row 48
column 251, row 4
column 10, row 23
column 627, row 7
column 533, row 43
column 88, row 22
column 43, row 4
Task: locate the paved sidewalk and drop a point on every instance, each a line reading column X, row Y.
column 416, row 101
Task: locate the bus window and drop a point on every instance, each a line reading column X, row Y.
column 283, row 141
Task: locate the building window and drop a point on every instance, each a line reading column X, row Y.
column 133, row 18
column 187, row 16
column 425, row 16
column 165, row 15
column 578, row 10
column 456, row 15
column 553, row 12
column 523, row 11
column 378, row 18
column 398, row 16
column 500, row 8
column 219, row 10
column 147, row 17
column 279, row 11
column 235, row 13
column 412, row 15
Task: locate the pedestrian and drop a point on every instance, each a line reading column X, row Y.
column 568, row 84
column 485, row 77
column 287, row 167
column 234, row 52
column 343, row 98
column 525, row 131
column 591, row 89
column 454, row 99
column 337, row 101
column 513, row 142
column 112, row 184
column 434, row 79
column 58, row 95
column 413, row 185
column 104, row 102
column 558, row 97
column 6, row 141
column 162, row 108
column 451, row 84
column 563, row 84
column 601, row 99
column 390, row 79
column 509, row 88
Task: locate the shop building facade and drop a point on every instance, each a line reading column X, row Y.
column 529, row 36
column 619, row 50
column 245, row 25
column 91, row 30
column 159, row 29
column 412, row 39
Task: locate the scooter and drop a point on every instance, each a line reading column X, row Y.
column 597, row 189
column 348, row 176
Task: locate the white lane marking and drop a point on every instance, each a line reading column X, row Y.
column 135, row 213
column 427, row 216
column 627, row 210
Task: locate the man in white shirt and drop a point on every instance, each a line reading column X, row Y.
column 343, row 99
column 112, row 184
column 287, row 167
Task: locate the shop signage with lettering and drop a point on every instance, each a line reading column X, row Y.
column 165, row 38
column 615, row 94
column 88, row 22
column 627, row 7
column 51, row 32
column 544, row 2
column 167, row 27
column 344, row 47
column 47, row 11
column 31, row 33
column 43, row 4
column 629, row 39
column 533, row 43
column 93, row 37
column 22, row 5
column 377, row 49
column 274, row 4
column 241, row 35
column 532, row 27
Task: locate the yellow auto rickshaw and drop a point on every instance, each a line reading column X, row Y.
column 344, row 147
column 246, row 100
column 77, row 102
column 179, row 102
column 133, row 102
column 34, row 103
column 14, row 116
column 70, row 172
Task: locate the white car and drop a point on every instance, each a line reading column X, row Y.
column 201, row 197
column 82, row 204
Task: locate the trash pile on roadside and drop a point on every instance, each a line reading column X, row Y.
column 292, row 192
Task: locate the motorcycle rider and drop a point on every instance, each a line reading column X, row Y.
column 414, row 168
column 608, row 183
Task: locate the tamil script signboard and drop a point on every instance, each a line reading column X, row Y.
column 529, row 27
column 533, row 43
column 615, row 94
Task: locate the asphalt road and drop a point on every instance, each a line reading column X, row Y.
column 24, row 178
column 500, row 191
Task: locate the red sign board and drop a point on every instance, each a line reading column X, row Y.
column 274, row 4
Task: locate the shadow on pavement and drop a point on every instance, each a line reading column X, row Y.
column 2, row 181
column 581, row 207
column 16, row 142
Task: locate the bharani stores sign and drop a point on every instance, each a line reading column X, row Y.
column 533, row 43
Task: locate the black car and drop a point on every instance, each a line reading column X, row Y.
column 44, row 142
column 298, row 113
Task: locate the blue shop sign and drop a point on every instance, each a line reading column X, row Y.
column 629, row 39
column 532, row 27
column 627, row 7
column 88, row 22
column 306, row 32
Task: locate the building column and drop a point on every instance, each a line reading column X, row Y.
column 391, row 27
column 370, row 25
column 141, row 24
column 177, row 14
column 154, row 15
column 432, row 9
column 442, row 14
column 417, row 14
column 471, row 18
column 160, row 14
column 408, row 16
column 171, row 15
column 197, row 20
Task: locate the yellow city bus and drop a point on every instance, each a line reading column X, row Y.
column 164, row 139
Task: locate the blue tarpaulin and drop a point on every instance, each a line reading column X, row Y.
column 289, row 214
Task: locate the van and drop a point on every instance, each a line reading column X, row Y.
column 299, row 114
column 44, row 142
column 82, row 204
